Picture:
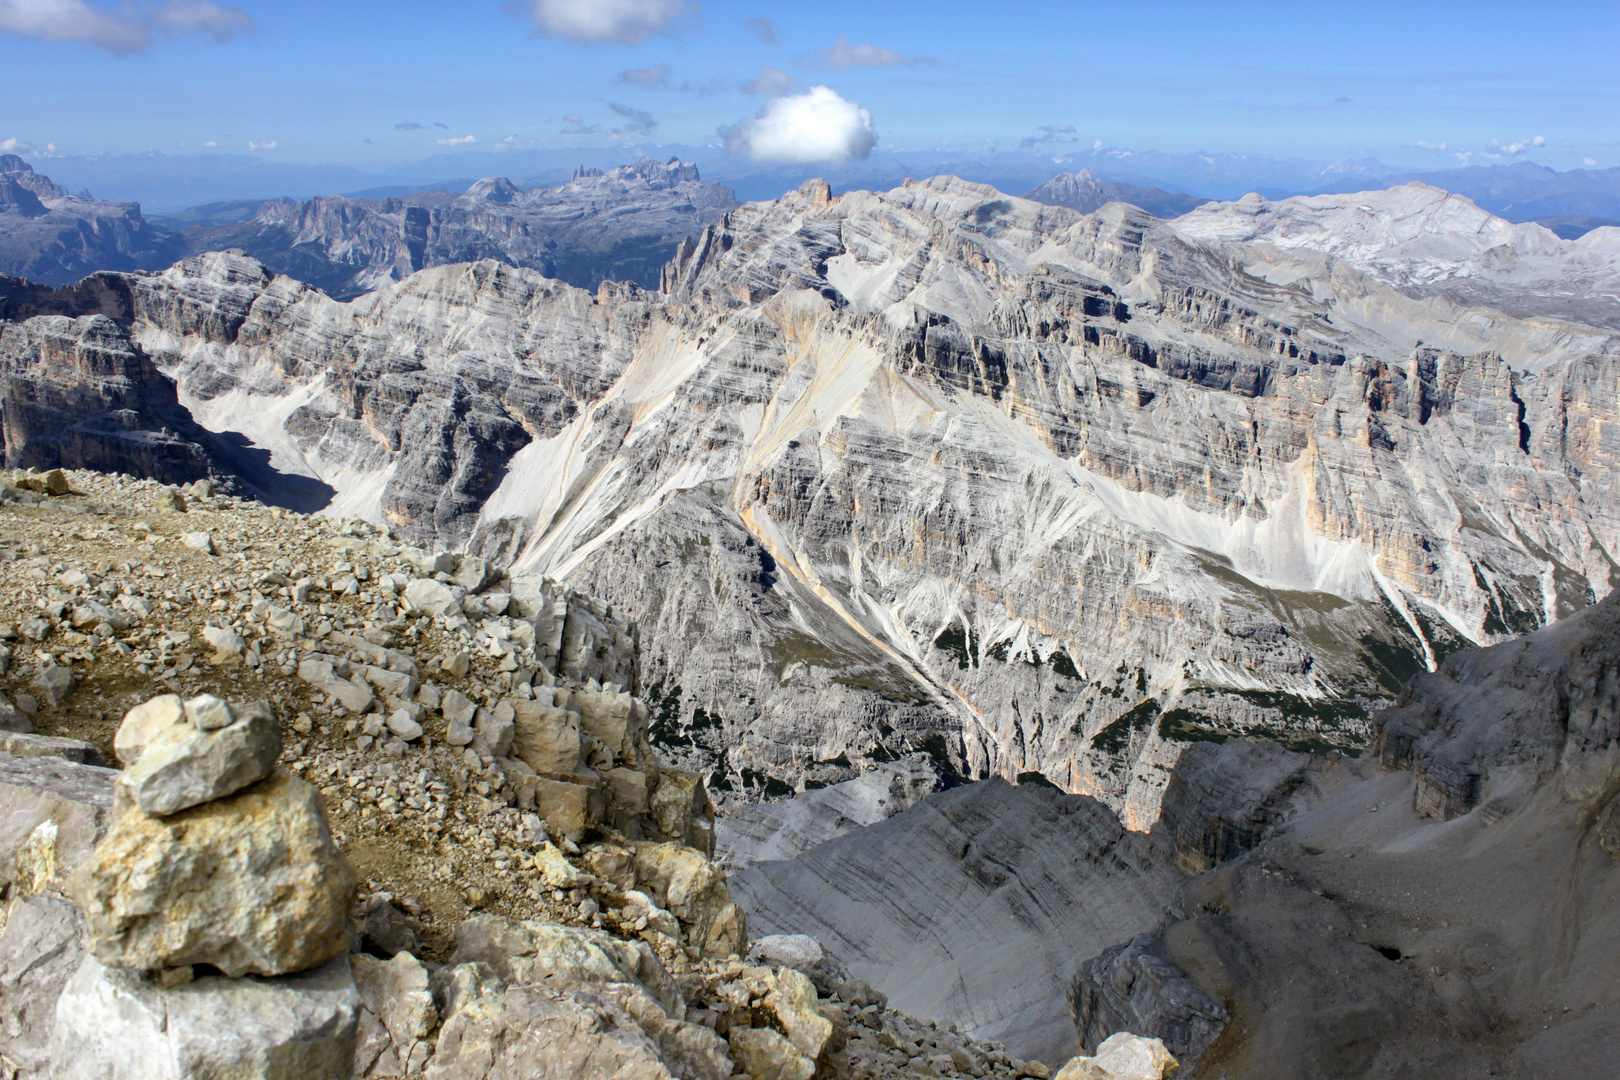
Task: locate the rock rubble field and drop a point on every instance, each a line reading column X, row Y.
column 283, row 797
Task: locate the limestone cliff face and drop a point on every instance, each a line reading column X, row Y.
column 940, row 469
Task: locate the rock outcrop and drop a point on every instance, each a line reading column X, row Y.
column 1400, row 916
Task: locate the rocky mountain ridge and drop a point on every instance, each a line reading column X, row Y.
column 54, row 238
column 940, row 470
column 1084, row 192
column 1425, row 242
column 618, row 225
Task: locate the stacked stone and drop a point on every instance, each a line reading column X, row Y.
column 216, row 909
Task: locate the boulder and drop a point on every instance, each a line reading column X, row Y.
column 353, row 696
column 457, row 707
column 679, row 809
column 227, row 642
column 199, row 541
column 55, row 682
column 557, row 1001
column 431, row 596
column 1122, row 1056
column 142, row 724
column 183, row 767
column 765, row 1055
column 546, row 738
column 13, row 718
column 396, row 1016
column 568, row 807
column 682, row 881
column 497, row 728
column 116, row 1025
column 248, row 883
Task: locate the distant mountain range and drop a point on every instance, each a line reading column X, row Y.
column 621, row 224
column 1083, row 192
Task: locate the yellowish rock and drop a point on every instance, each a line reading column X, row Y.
column 1122, row 1056
column 765, row 1055
column 251, row 883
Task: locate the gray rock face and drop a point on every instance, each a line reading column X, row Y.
column 113, row 1025
column 1492, row 722
column 54, row 812
column 1223, row 800
column 1426, row 242
column 783, row 828
column 1127, row 988
column 49, row 236
column 41, row 946
column 975, row 906
column 622, row 225
column 1364, row 937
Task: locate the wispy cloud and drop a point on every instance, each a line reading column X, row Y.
column 637, row 121
column 657, row 75
column 845, row 55
column 772, row 82
column 1431, row 145
column 1050, row 133
column 129, row 28
column 574, row 124
column 763, row 29
column 17, row 146
column 407, row 125
column 594, row 22
column 459, row 140
column 1515, row 148
column 273, row 144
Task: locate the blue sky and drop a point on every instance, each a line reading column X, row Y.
column 331, row 82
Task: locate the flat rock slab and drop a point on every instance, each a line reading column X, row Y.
column 115, row 1025
column 251, row 883
column 183, row 767
column 41, row 946
column 52, row 812
column 20, row 744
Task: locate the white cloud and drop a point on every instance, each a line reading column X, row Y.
column 1591, row 162
column 591, row 22
column 128, row 29
column 844, row 56
column 772, row 82
column 273, row 144
column 16, row 146
column 210, row 143
column 1539, row 140
column 817, row 125
column 1431, row 145
column 461, row 140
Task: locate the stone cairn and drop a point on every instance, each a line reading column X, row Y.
column 216, row 909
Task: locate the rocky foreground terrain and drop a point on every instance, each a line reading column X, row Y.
column 386, row 812
column 932, row 470
column 380, row 813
